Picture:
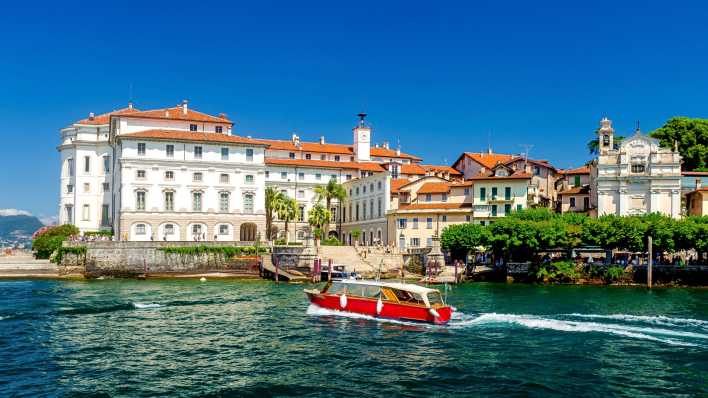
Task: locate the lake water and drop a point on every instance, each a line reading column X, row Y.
column 235, row 338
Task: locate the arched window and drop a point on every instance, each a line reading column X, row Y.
column 248, row 205
column 224, row 199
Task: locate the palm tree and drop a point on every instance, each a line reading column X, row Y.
column 318, row 218
column 328, row 192
column 273, row 197
column 287, row 211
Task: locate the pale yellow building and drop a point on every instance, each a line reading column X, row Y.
column 424, row 207
column 498, row 193
column 697, row 202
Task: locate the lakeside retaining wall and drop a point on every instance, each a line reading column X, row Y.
column 131, row 259
column 299, row 258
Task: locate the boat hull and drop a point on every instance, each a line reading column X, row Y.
column 366, row 306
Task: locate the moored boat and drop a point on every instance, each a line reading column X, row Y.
column 383, row 300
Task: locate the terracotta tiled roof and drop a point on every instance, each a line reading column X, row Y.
column 577, row 170
column 191, row 136
column 542, row 163
column 397, row 183
column 341, row 149
column 177, row 113
column 413, row 169
column 327, row 164
column 694, row 173
column 702, row 189
column 105, row 118
column 487, row 160
column 435, row 206
column 434, row 187
column 515, row 176
column 576, row 190
column 440, row 168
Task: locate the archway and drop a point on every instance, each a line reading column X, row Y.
column 333, row 234
column 248, row 232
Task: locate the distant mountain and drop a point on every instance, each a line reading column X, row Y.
column 18, row 228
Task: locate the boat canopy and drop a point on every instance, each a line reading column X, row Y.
column 420, row 291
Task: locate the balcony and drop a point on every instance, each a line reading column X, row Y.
column 500, row 199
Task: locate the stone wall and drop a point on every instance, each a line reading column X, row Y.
column 130, row 259
column 299, row 258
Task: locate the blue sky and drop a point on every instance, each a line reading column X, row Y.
column 440, row 76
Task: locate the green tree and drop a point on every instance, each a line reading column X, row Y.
column 594, row 144
column 461, row 239
column 318, row 218
column 49, row 240
column 329, row 192
column 287, row 211
column 692, row 138
column 273, row 198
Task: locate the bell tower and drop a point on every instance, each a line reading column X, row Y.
column 605, row 136
column 362, row 140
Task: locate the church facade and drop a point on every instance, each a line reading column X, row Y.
column 636, row 176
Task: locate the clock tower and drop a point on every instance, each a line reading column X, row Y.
column 362, row 140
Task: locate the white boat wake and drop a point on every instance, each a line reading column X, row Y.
column 629, row 326
column 141, row 306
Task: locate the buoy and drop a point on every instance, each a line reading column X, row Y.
column 202, row 279
column 434, row 313
column 379, row 306
column 343, row 301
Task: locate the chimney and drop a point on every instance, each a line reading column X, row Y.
column 398, row 151
column 698, row 183
column 130, row 104
column 91, row 115
column 385, row 145
column 222, row 115
column 322, row 141
column 184, row 106
column 296, row 140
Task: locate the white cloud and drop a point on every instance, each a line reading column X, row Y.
column 14, row 212
column 49, row 220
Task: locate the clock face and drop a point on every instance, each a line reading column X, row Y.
column 363, row 136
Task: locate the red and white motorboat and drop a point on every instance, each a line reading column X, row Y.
column 383, row 300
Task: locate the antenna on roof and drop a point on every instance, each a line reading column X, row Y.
column 527, row 148
column 489, row 141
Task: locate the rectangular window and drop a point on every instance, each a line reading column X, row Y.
column 586, row 203
column 196, row 201
column 300, row 176
column 219, row 129
column 140, row 174
column 333, row 177
column 379, row 208
column 87, row 164
column 444, row 218
column 87, row 187
column 170, row 150
column 507, row 193
column 197, row 177
column 301, row 213
column 140, row 200
column 105, row 216
column 494, row 192
column 223, row 229
column 507, row 209
column 169, row 229
column 482, row 194
column 169, row 175
column 318, row 177
column 197, row 152
column 308, row 156
column 323, row 157
column 429, row 223
column 192, row 127
column 576, row 181
column 519, row 207
column 444, row 197
column 224, row 153
column 283, row 175
column 429, row 242
column 69, row 188
column 249, row 155
column 106, row 187
column 415, row 242
column 402, row 223
column 141, row 149
column 300, row 194
column 428, row 197
column 69, row 209
column 415, row 223
column 572, row 202
column 86, row 213
column 336, row 158
column 224, row 202
column 248, row 204
column 291, row 155
column 224, row 178
column 468, row 218
column 169, row 200
column 70, row 166
column 106, row 164
column 536, row 170
column 467, row 191
column 494, row 210
column 267, row 174
column 140, row 229
column 249, row 179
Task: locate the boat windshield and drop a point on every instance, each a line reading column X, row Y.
column 435, row 298
column 409, row 297
column 354, row 290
